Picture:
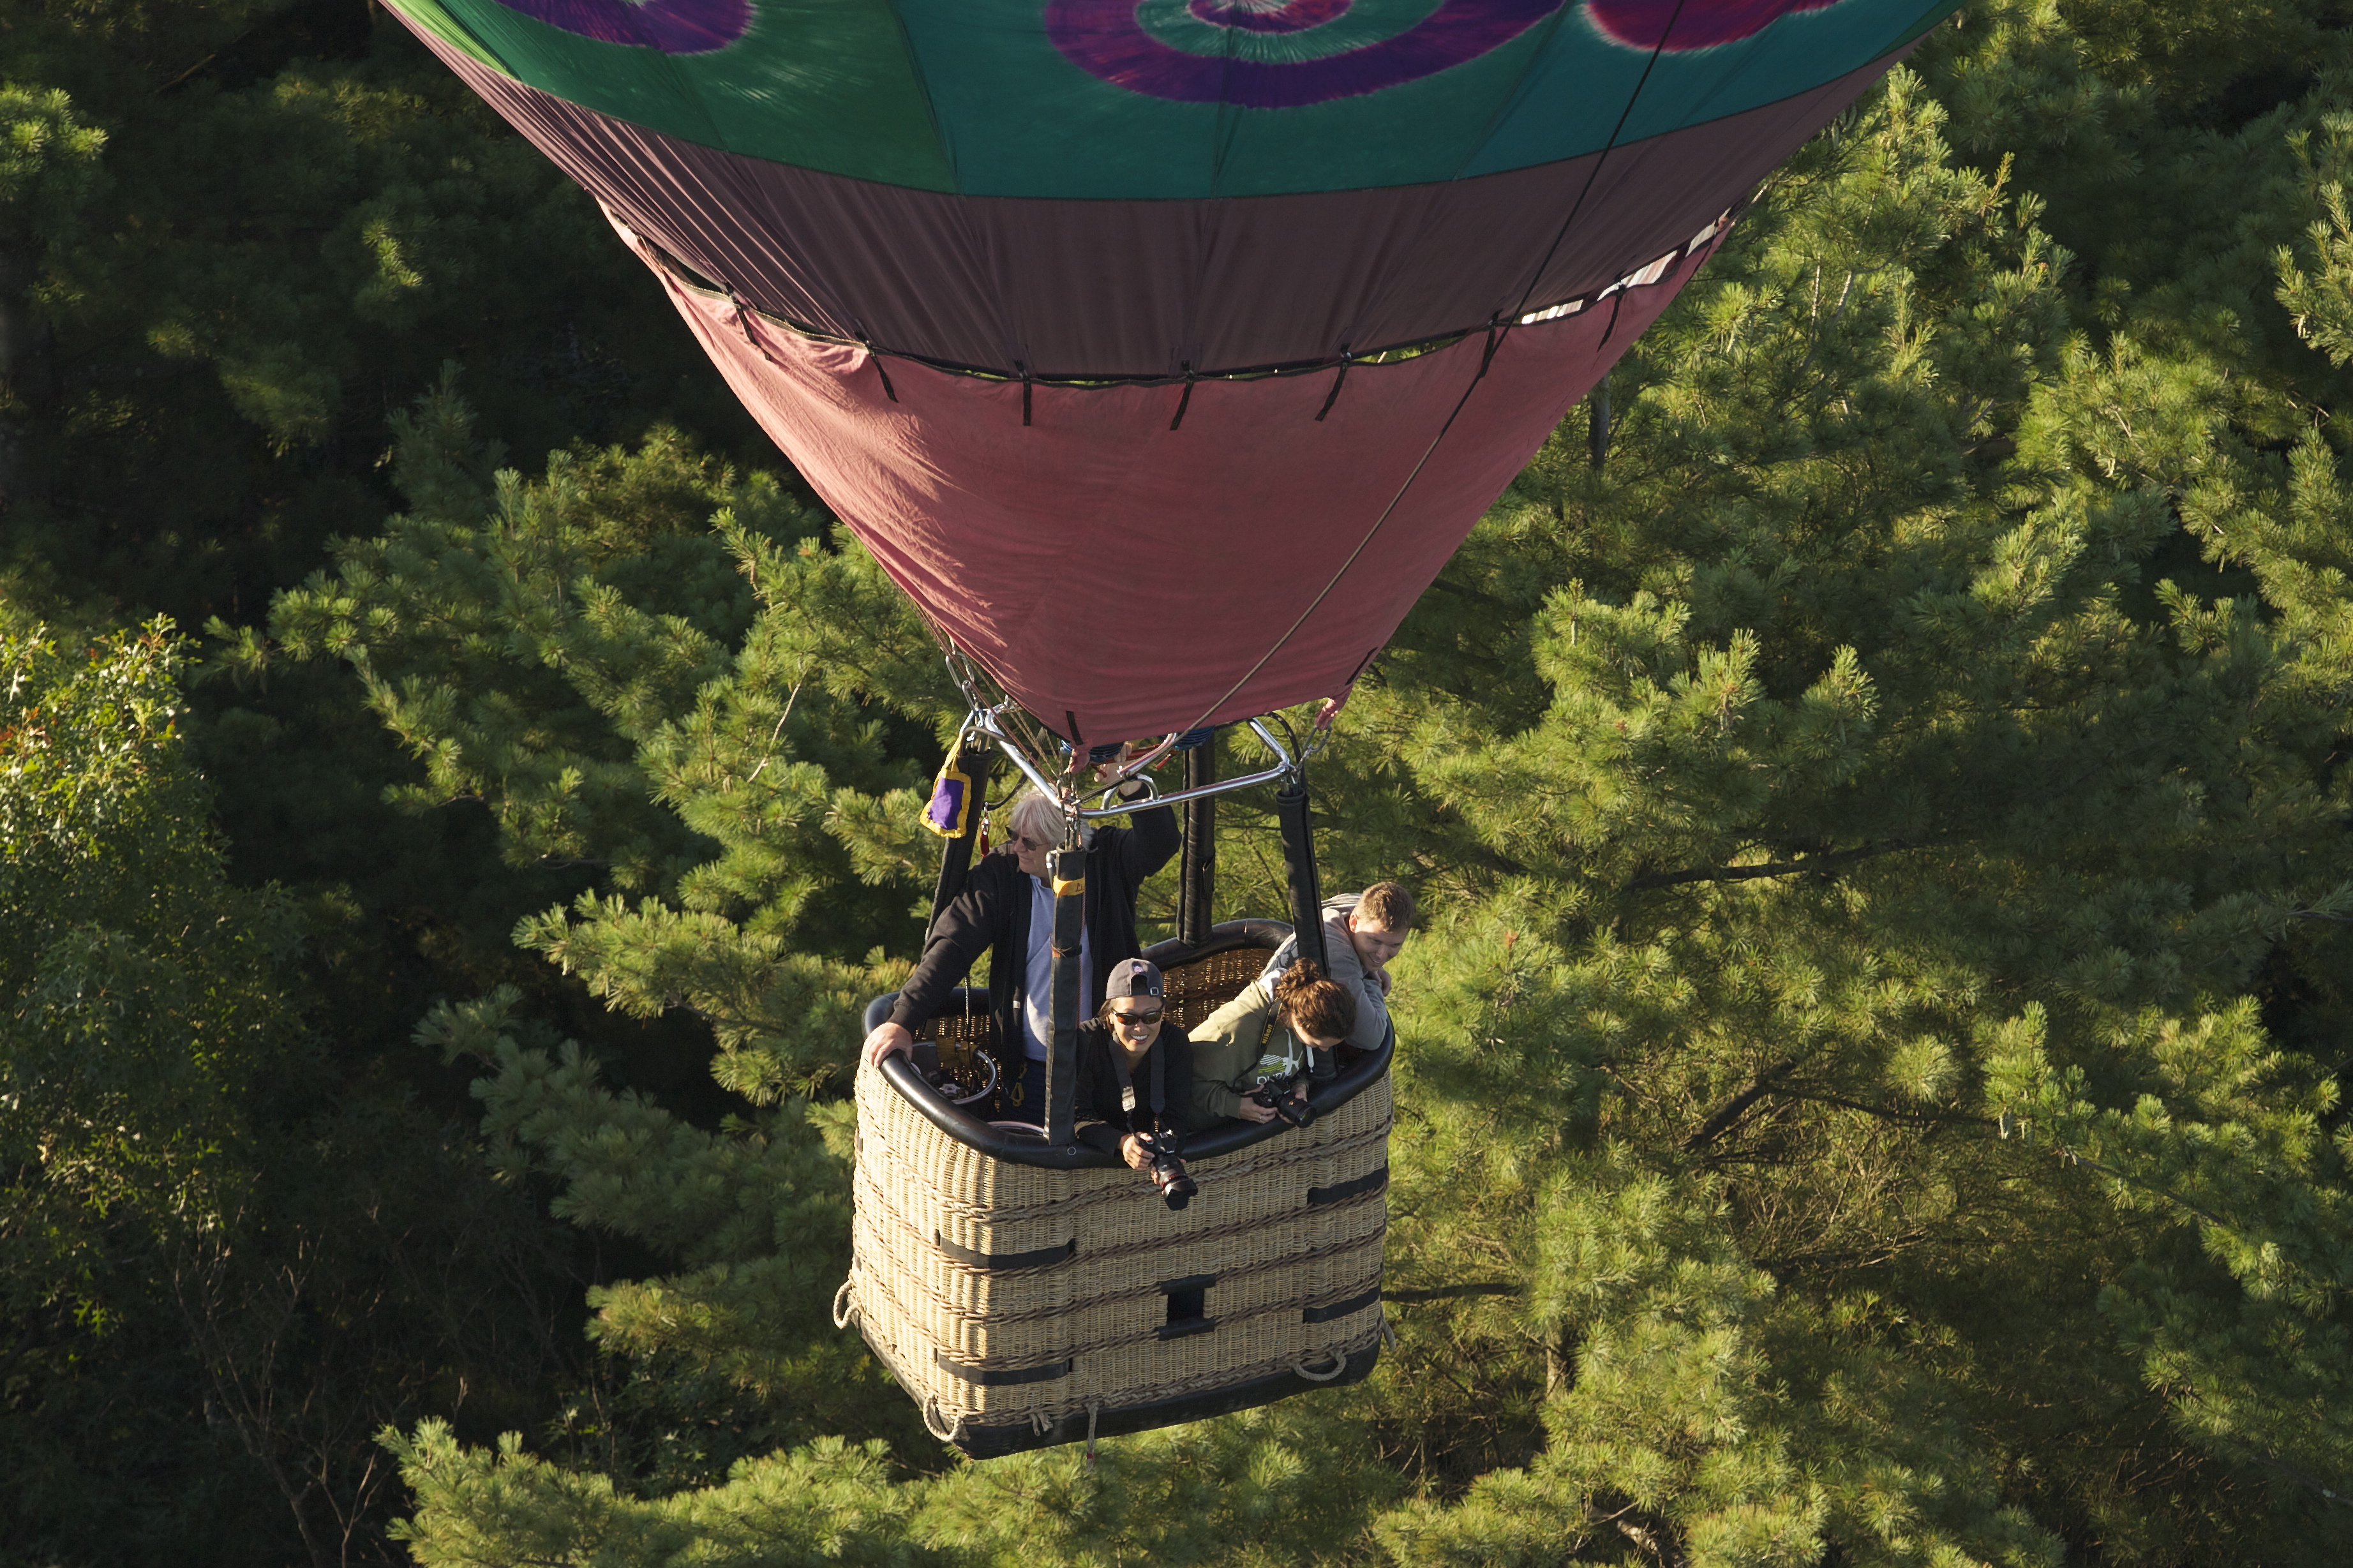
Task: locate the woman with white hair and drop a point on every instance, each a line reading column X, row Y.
column 1006, row 910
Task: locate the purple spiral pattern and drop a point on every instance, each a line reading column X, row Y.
column 1291, row 16
column 1105, row 38
column 1698, row 24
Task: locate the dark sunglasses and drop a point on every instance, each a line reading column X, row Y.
column 1151, row 1017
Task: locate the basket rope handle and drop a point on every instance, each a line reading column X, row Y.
column 1339, row 1365
column 845, row 1302
column 935, row 1420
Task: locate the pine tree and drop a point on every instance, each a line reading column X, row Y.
column 1847, row 842
column 234, row 234
column 709, row 718
column 1880, row 807
column 1868, row 1085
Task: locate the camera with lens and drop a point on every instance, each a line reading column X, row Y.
column 1169, row 1174
column 1275, row 1095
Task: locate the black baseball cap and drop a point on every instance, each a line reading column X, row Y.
column 1132, row 977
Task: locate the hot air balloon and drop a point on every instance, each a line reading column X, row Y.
column 1250, row 306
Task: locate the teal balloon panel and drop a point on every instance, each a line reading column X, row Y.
column 1170, row 99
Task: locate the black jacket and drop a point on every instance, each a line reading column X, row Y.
column 1099, row 1108
column 992, row 916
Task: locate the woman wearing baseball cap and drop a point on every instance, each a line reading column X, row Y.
column 1135, row 1080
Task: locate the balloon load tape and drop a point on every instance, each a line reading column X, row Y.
column 954, row 798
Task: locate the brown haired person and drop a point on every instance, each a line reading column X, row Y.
column 1362, row 932
column 1261, row 1038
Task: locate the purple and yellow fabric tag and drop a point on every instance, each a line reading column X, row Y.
column 949, row 815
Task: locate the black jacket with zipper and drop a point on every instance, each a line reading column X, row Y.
column 992, row 916
column 1098, row 1105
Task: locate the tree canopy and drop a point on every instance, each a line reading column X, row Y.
column 1869, row 1072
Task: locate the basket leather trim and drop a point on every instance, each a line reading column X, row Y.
column 1001, row 1377
column 1373, row 1181
column 1177, row 1330
column 1044, row 1257
column 1340, row 1308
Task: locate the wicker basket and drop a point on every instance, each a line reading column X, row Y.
column 1023, row 1306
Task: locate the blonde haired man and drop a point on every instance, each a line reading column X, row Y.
column 1006, row 910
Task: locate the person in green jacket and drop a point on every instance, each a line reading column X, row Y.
column 1261, row 1037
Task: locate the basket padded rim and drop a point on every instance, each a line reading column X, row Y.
column 1326, row 1097
column 989, row 1442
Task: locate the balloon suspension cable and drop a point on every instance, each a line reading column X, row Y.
column 1319, row 732
column 1058, row 770
column 1526, row 294
column 994, row 715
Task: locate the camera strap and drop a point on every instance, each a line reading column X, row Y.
column 1159, row 1084
column 1253, row 1077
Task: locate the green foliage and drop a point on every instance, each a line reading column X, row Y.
column 1216, row 1492
column 233, row 234
column 49, row 166
column 1843, row 809
column 139, row 988
column 223, row 1266
column 560, row 652
column 2229, row 1135
column 755, row 1214
column 1865, row 752
column 1869, row 1076
column 138, row 993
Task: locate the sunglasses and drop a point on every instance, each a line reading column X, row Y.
column 1026, row 842
column 1150, row 1016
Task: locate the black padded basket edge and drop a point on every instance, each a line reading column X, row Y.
column 1227, row 936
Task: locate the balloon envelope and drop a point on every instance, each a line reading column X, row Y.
column 1065, row 305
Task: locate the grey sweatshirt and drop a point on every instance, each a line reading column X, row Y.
column 1372, row 1003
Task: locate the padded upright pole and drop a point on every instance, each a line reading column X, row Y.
column 956, row 854
column 1196, row 885
column 1066, row 869
column 1597, row 430
column 1306, row 893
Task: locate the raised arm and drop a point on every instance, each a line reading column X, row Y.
column 1150, row 844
